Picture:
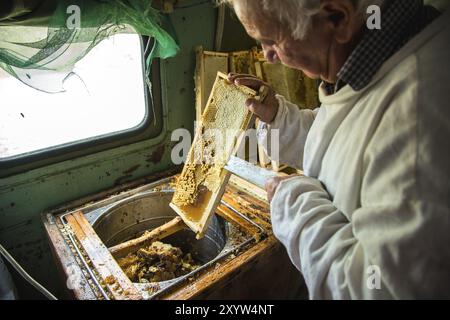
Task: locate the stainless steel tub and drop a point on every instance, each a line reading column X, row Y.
column 121, row 218
column 129, row 218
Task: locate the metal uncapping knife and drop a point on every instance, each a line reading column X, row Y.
column 249, row 172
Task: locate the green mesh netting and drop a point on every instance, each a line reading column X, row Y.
column 43, row 57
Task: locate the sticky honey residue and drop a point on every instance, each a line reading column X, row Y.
column 157, row 262
column 221, row 123
column 195, row 212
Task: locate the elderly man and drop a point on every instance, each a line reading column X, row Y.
column 370, row 219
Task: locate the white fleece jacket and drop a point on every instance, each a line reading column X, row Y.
column 376, row 192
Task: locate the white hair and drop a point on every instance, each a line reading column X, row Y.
column 298, row 14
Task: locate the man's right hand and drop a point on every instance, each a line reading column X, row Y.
column 265, row 110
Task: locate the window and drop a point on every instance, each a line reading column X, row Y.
column 106, row 95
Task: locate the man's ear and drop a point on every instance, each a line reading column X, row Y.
column 341, row 17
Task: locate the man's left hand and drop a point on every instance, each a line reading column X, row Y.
column 273, row 183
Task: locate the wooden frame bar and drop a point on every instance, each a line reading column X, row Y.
column 118, row 284
column 205, row 206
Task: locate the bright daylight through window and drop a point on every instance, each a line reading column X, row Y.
column 106, row 94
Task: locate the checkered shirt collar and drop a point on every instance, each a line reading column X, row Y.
column 378, row 45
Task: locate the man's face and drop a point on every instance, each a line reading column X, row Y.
column 318, row 55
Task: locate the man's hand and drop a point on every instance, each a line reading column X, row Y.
column 273, row 183
column 265, row 110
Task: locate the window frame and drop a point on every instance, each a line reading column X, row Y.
column 150, row 127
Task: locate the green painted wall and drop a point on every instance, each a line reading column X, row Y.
column 24, row 196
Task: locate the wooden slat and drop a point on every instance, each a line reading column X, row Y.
column 167, row 229
column 264, row 159
column 258, row 197
column 246, row 186
column 66, row 262
column 250, row 205
column 234, row 219
column 207, row 65
column 232, row 201
column 112, row 275
column 223, row 273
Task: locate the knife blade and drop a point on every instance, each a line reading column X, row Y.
column 249, row 172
